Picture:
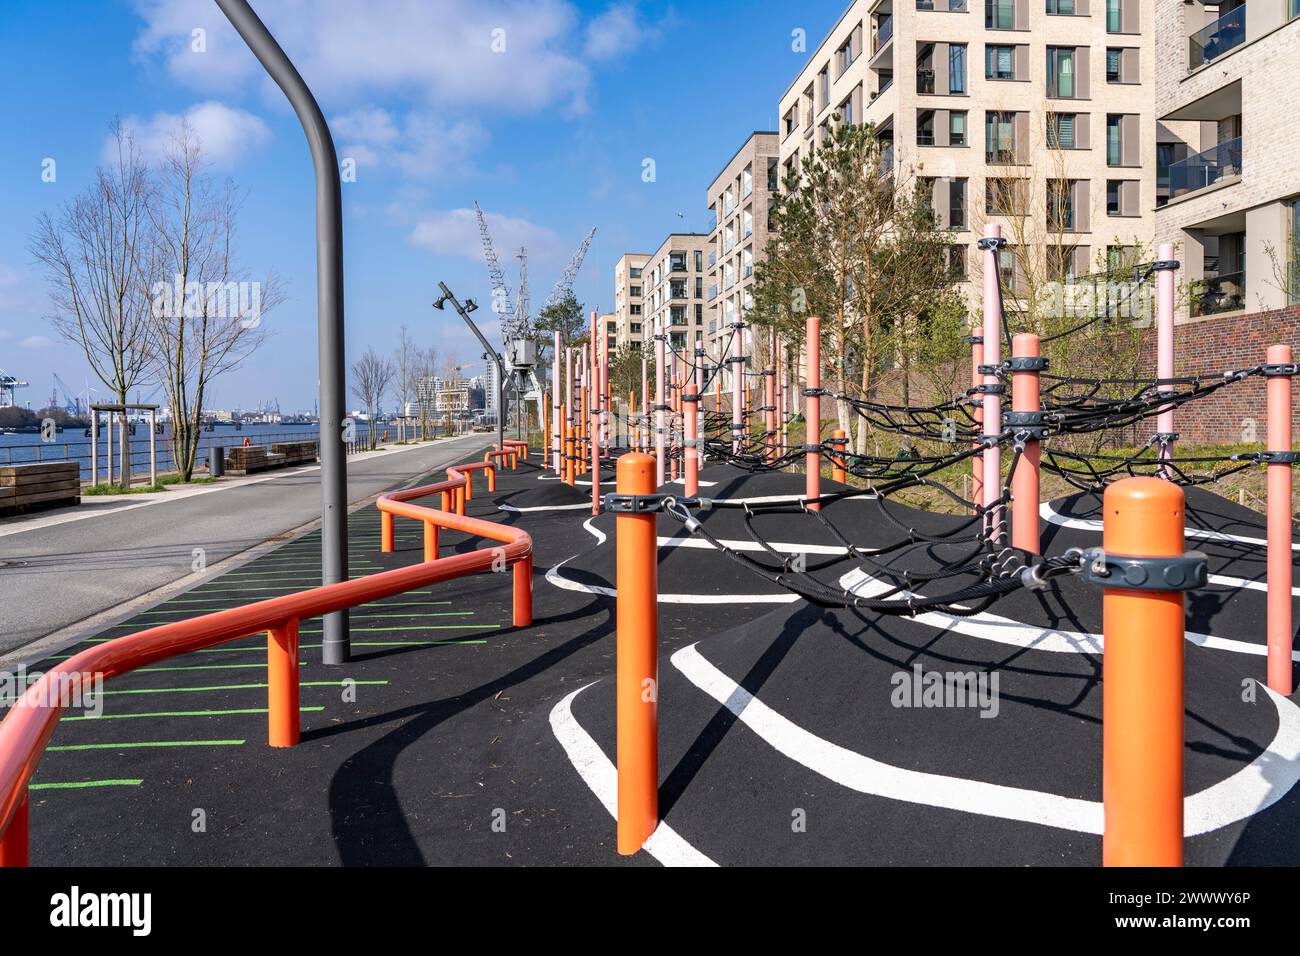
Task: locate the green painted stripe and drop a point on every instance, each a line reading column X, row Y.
column 413, row 627
column 84, row 784
column 185, row 713
column 354, row 611
column 261, row 648
column 203, row 667
column 199, row 690
column 151, row 743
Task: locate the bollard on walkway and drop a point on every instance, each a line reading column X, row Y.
column 1025, row 421
column 1144, row 571
column 636, row 657
column 1278, row 372
column 813, row 412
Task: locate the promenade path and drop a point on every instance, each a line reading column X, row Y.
column 80, row 569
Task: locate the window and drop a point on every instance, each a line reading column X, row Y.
column 1060, row 72
column 636, row 273
column 1114, row 139
column 1113, row 55
column 846, row 55
column 824, row 86
column 746, row 181
column 1000, row 196
column 677, row 261
column 1060, row 205
column 925, row 128
column 846, row 111
column 1007, row 268
column 634, row 309
column 636, row 328
column 791, row 120
column 1122, row 197
column 999, row 137
column 699, row 287
column 999, row 62
column 957, row 204
column 1060, row 8
column 1114, row 16
column 773, row 179
column 611, row 327
column 957, row 128
column 699, row 314
column 678, row 315
column 635, row 290
column 956, row 256
column 699, row 262
column 1060, row 263
column 956, row 68
column 1060, row 130
column 1000, row 14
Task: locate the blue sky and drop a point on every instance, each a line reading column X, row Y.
column 549, row 136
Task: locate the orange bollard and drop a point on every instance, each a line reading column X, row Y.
column 491, row 477
column 1280, row 672
column 1142, row 683
column 1024, row 483
column 282, row 684
column 691, row 439
column 430, row 541
column 813, row 412
column 637, row 659
column 523, row 592
column 839, row 440
column 769, row 411
column 15, row 844
column 385, row 532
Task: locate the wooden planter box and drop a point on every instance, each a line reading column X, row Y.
column 44, row 483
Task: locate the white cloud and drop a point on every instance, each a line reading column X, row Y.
column 421, row 146
column 226, row 134
column 454, row 232
column 618, row 30
column 443, row 53
column 36, row 342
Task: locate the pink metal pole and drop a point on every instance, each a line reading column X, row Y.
column 556, row 427
column 977, row 462
column 1165, row 344
column 1279, row 526
column 660, row 336
column 698, row 378
column 813, row 411
column 1024, row 483
column 674, row 394
column 596, row 395
column 769, row 411
column 690, row 412
column 604, row 395
column 992, row 356
column 737, row 387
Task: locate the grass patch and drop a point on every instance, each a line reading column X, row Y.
column 119, row 490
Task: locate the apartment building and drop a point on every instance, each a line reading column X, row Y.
column 629, row 301
column 673, row 289
column 608, row 323
column 1228, row 156
column 739, row 199
column 1041, row 110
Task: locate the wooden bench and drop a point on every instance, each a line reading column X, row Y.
column 44, row 483
column 243, row 461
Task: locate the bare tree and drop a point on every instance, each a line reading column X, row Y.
column 206, row 315
column 405, row 362
column 426, row 370
column 97, row 256
column 371, row 377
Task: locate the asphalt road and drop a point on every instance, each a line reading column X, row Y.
column 56, row 575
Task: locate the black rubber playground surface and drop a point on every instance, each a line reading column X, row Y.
column 453, row 738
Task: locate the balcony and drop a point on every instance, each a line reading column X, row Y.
column 713, row 259
column 884, row 32
column 1213, row 41
column 713, row 292
column 1225, row 293
column 1205, row 168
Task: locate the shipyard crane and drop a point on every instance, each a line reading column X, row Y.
column 9, row 385
column 501, row 304
column 570, row 272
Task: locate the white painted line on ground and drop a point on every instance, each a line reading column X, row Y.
column 1003, row 630
column 556, row 579
column 599, row 535
column 520, row 511
column 1051, row 515
column 597, row 771
column 1258, row 785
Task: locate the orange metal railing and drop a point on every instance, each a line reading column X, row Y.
column 31, row 722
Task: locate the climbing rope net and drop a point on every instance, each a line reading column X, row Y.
column 976, row 564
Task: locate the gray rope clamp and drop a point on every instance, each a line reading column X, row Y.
column 1165, row 265
column 1033, row 425
column 1181, row 572
column 650, row 504
column 1025, row 363
column 1273, row 457
column 1273, row 370
column 991, row 242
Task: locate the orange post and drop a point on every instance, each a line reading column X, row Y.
column 839, row 439
column 282, row 684
column 637, row 659
column 1142, row 683
column 15, row 844
column 430, row 541
column 385, row 532
column 1024, row 483
column 523, row 592
column 813, row 411
column 1280, row 638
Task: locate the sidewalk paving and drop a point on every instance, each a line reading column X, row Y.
column 80, row 564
